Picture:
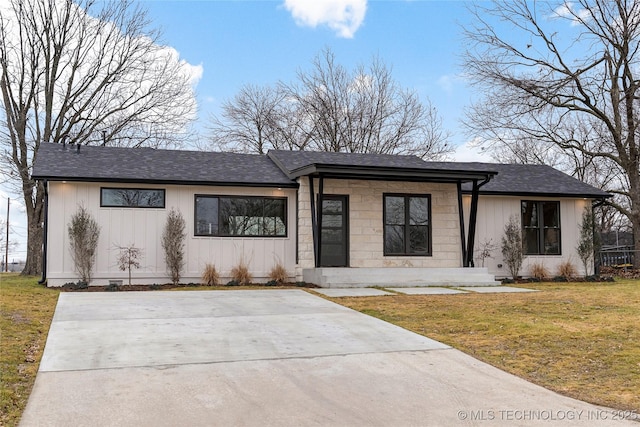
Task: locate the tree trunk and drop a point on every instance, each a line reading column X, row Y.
column 35, row 235
column 33, row 265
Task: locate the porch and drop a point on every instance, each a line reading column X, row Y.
column 339, row 277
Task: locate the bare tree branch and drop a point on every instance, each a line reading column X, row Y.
column 329, row 108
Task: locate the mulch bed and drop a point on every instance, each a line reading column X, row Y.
column 81, row 287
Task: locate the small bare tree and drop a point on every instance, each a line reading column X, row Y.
column 512, row 246
column 83, row 239
column 485, row 250
column 173, row 244
column 128, row 258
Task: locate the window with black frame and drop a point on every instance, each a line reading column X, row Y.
column 240, row 216
column 132, row 198
column 407, row 224
column 540, row 227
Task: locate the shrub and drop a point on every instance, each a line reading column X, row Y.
column 567, row 269
column 512, row 246
column 538, row 271
column 83, row 239
column 278, row 273
column 112, row 287
column 586, row 240
column 210, row 276
column 240, row 273
column 173, row 244
column 75, row 286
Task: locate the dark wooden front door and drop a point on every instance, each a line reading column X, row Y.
column 334, row 235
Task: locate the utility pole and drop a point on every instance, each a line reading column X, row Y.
column 6, row 247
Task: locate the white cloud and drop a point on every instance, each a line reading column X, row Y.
column 568, row 11
column 448, row 82
column 342, row 16
column 192, row 72
column 469, row 152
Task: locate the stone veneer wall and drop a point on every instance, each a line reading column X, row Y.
column 366, row 226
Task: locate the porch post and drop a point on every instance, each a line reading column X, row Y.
column 461, row 218
column 319, row 225
column 314, row 224
column 472, row 223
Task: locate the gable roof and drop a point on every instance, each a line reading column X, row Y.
column 374, row 166
column 148, row 165
column 533, row 180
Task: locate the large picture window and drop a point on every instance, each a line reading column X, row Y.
column 407, row 224
column 540, row 227
column 240, row 216
column 131, row 198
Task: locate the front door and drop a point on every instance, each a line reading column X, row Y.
column 334, row 235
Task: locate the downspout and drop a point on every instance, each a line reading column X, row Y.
column 297, row 204
column 45, row 227
column 314, row 222
column 473, row 215
column 319, row 225
column 461, row 218
column 596, row 265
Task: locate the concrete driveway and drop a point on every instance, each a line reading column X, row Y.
column 272, row 357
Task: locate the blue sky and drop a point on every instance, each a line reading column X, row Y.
column 261, row 42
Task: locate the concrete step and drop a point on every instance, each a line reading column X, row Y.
column 398, row 277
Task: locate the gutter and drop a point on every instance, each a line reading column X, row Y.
column 45, row 227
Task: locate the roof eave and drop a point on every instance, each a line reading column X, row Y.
column 168, row 182
column 542, row 194
column 391, row 173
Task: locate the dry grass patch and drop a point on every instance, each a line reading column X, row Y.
column 26, row 310
column 579, row 339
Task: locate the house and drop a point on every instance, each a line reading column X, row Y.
column 334, row 219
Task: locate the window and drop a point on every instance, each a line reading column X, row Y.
column 407, row 225
column 240, row 216
column 541, row 227
column 131, row 198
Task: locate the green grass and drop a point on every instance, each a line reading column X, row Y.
column 579, row 339
column 26, row 310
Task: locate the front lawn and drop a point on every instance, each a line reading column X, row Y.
column 579, row 339
column 26, row 310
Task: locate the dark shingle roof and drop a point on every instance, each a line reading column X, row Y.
column 114, row 164
column 533, row 180
column 279, row 167
column 295, row 160
column 391, row 166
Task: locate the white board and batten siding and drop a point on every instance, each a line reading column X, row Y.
column 493, row 215
column 143, row 228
